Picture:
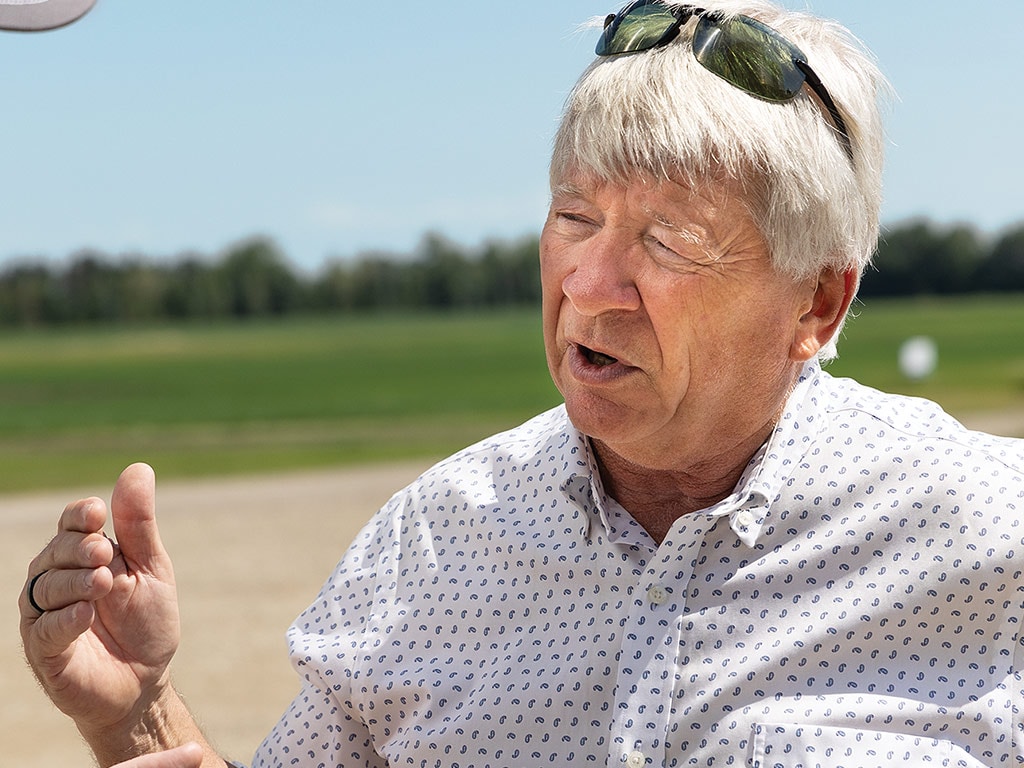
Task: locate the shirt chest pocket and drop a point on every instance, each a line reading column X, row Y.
column 775, row 745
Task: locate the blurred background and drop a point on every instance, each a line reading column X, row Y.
column 336, row 127
column 295, row 243
column 311, row 167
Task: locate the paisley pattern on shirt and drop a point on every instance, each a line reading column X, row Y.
column 857, row 601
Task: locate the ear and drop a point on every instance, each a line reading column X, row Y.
column 821, row 321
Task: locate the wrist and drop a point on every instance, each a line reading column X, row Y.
column 160, row 722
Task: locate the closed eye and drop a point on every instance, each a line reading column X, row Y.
column 576, row 224
column 684, row 257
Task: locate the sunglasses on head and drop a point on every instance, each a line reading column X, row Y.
column 742, row 51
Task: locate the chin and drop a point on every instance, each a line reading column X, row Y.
column 601, row 419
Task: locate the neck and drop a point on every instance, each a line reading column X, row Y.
column 657, row 497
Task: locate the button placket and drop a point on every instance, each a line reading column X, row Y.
column 645, row 687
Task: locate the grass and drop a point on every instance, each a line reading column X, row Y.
column 203, row 400
column 78, row 404
column 980, row 341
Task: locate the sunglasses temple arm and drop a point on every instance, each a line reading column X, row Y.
column 826, row 99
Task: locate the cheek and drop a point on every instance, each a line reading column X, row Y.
column 554, row 260
column 551, row 302
column 551, row 286
column 707, row 337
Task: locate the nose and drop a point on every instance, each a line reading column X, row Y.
column 602, row 279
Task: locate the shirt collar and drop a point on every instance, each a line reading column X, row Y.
column 583, row 486
column 759, row 486
column 771, row 467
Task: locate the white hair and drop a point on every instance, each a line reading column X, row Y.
column 661, row 114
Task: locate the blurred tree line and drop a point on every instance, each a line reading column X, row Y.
column 254, row 278
column 920, row 257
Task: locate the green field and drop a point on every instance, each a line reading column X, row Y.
column 207, row 400
column 78, row 404
column 980, row 341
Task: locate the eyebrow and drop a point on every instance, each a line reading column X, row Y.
column 567, row 189
column 662, row 219
column 685, row 232
column 695, row 235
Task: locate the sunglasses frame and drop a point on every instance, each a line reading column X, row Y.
column 683, row 13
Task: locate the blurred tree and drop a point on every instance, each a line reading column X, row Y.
column 140, row 289
column 28, row 295
column 442, row 276
column 1003, row 270
column 333, row 290
column 89, row 289
column 378, row 283
column 259, row 280
column 920, row 257
column 196, row 289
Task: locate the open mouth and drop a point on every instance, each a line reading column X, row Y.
column 596, row 358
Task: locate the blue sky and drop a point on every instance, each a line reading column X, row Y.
column 337, row 127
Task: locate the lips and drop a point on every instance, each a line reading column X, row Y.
column 595, row 366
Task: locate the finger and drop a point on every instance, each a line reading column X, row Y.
column 84, row 516
column 79, row 542
column 71, row 550
column 77, row 547
column 55, row 589
column 133, row 508
column 47, row 638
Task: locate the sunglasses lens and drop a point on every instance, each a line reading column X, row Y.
column 639, row 27
column 750, row 56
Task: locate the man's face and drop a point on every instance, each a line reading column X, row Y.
column 666, row 328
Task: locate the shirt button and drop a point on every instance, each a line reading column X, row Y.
column 657, row 595
column 745, row 519
column 636, row 759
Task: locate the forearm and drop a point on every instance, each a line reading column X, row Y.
column 162, row 724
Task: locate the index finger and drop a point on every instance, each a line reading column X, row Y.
column 79, row 542
column 83, row 516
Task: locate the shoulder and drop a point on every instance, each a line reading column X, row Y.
column 532, row 458
column 463, row 489
column 912, row 424
column 906, row 467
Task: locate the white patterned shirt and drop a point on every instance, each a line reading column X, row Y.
column 857, row 601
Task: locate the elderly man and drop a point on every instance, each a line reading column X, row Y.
column 713, row 554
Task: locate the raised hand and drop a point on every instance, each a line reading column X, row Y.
column 109, row 626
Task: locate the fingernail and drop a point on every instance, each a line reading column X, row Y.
column 96, row 552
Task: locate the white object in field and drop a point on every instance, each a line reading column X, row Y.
column 919, row 355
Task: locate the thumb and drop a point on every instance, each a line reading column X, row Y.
column 133, row 509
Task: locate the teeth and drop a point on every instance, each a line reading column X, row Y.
column 596, row 358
